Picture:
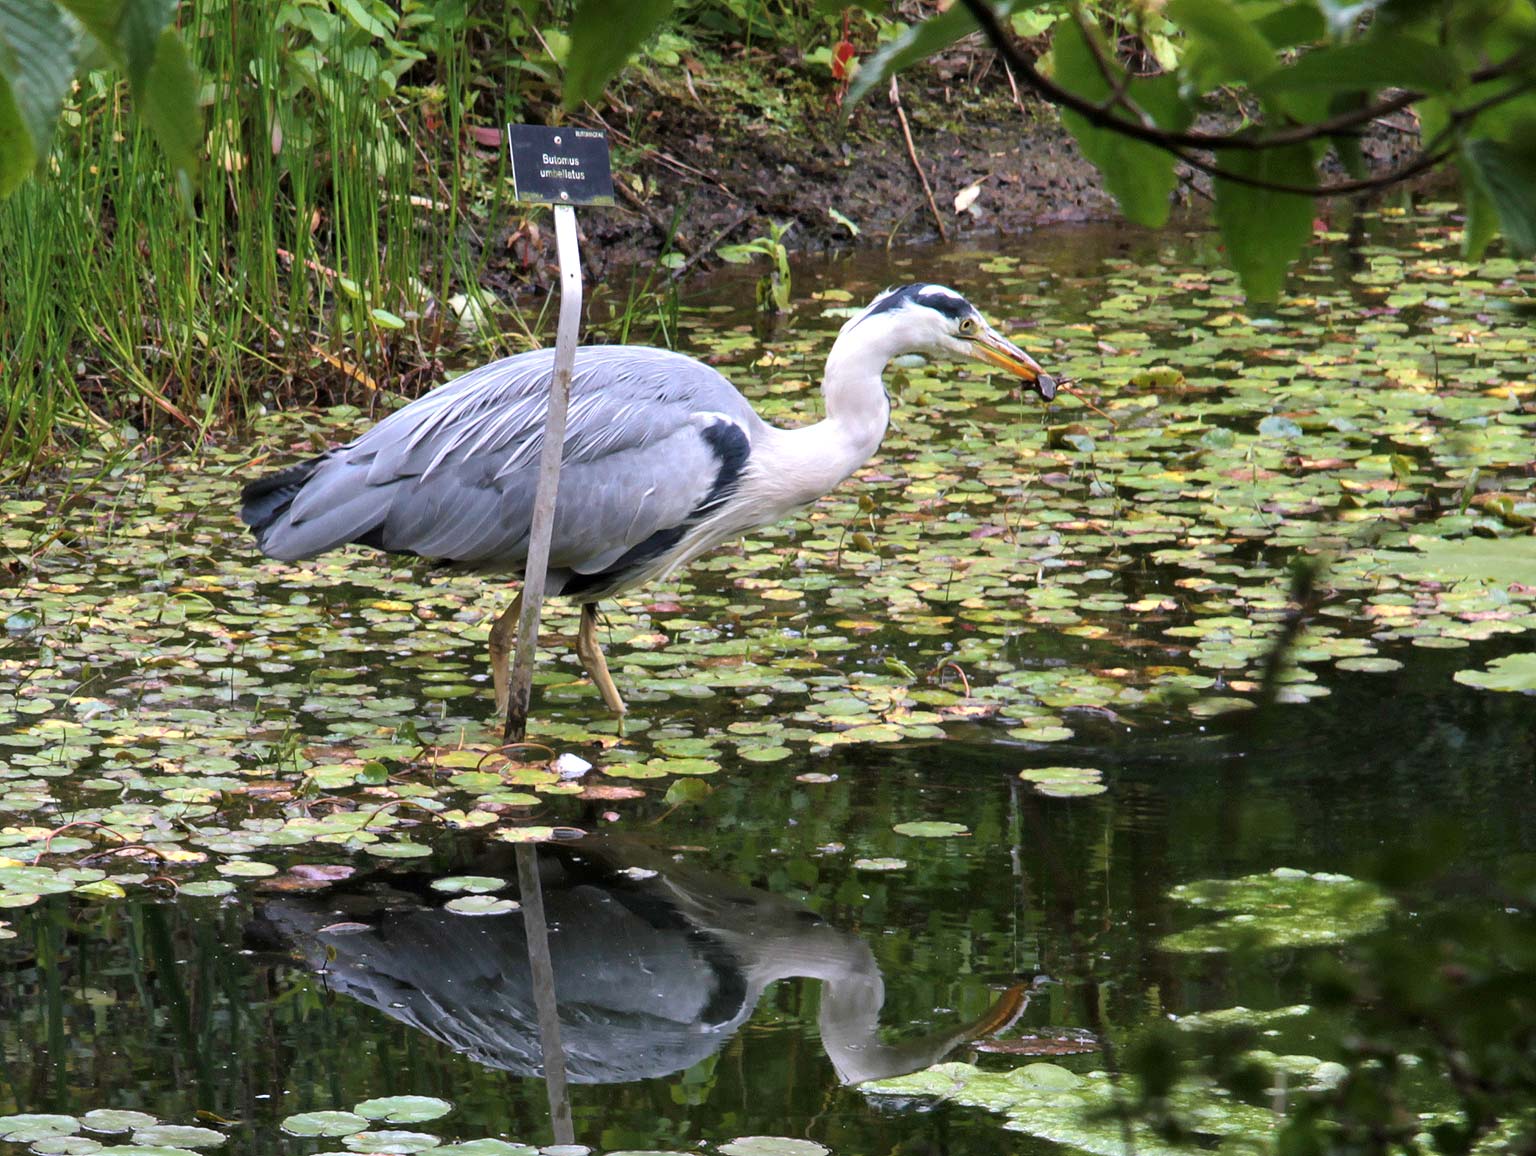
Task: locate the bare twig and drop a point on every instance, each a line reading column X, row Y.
column 709, row 246
column 1179, row 143
column 906, row 132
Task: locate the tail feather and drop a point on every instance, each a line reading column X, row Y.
column 266, row 499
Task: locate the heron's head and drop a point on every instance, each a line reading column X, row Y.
column 935, row 320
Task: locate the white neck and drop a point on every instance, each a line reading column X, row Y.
column 807, row 462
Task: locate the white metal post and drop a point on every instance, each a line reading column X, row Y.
column 536, row 570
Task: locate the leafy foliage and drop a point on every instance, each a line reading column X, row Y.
column 1293, row 77
column 44, row 44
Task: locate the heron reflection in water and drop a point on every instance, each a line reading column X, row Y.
column 663, row 460
column 656, row 966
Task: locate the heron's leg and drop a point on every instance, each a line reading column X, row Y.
column 591, row 655
column 503, row 635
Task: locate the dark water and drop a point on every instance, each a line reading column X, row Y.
column 725, row 969
column 195, row 1006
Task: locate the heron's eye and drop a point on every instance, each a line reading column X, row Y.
column 968, row 326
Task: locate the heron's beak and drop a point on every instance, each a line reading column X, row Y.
column 995, row 349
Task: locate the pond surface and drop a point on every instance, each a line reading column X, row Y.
column 260, row 846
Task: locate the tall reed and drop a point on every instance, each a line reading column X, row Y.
column 323, row 225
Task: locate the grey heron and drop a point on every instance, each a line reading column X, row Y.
column 664, row 459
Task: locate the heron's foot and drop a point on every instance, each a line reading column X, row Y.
column 591, row 655
column 503, row 639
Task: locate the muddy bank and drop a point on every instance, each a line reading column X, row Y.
column 724, row 175
column 695, row 171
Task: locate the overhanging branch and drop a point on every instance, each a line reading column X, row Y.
column 1184, row 145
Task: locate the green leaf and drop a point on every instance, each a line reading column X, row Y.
column 1264, row 230
column 403, row 1109
column 170, row 103
column 1514, row 673
column 1507, row 176
column 912, row 46
column 687, row 791
column 916, row 44
column 604, row 34
column 323, row 1124
column 37, row 65
column 930, row 829
column 129, row 30
column 1482, row 216
column 1502, row 561
column 362, row 17
column 1230, row 47
column 1384, row 61
column 27, row 1127
column 1140, row 176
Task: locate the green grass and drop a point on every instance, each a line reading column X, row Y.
column 339, row 206
column 325, row 226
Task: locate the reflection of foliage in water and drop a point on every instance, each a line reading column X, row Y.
column 1284, row 908
column 1428, row 1026
column 987, row 571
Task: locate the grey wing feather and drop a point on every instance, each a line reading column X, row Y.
column 452, row 475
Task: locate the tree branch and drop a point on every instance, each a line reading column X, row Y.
column 1180, row 144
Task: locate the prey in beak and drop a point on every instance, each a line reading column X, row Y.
column 992, row 347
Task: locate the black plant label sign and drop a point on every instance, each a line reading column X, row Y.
column 560, row 166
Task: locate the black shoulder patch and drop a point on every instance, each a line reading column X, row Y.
column 731, row 448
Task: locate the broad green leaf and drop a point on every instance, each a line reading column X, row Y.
column 1504, row 561
column 1264, row 230
column 931, row 829
column 363, row 17
column 37, row 66
column 1506, row 173
column 323, row 1124
column 1291, row 25
column 29, row 1126
column 917, row 44
column 178, row 1136
column 403, row 1109
column 170, row 103
column 772, row 1146
column 1385, row 61
column 1230, row 47
column 1482, row 216
column 1139, row 175
column 604, row 34
column 129, row 30
column 1517, row 672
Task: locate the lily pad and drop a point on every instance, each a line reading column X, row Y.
column 27, row 1127
column 178, row 1136
column 470, row 884
column 392, row 1143
column 1285, row 908
column 1514, row 673
column 327, row 1123
column 1064, row 782
column 403, row 1109
column 931, row 829
column 112, row 1120
column 772, row 1146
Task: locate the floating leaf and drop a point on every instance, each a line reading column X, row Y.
column 772, row 1146
column 480, row 905
column 1284, row 908
column 930, row 829
column 403, row 1109
column 473, row 884
column 27, row 1127
column 324, row 1124
column 1517, row 672
column 178, row 1136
